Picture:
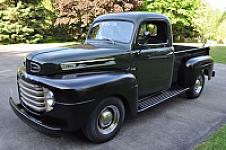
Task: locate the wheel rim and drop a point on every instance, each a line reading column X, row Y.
column 198, row 85
column 108, row 119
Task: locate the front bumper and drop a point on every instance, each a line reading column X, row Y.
column 62, row 118
column 31, row 121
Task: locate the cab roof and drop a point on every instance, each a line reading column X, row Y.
column 131, row 16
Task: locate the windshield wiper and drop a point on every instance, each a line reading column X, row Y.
column 109, row 39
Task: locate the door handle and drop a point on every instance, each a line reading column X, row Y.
column 136, row 53
column 170, row 53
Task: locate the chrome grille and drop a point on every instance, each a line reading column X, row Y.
column 31, row 95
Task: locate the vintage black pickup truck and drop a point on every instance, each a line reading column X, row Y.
column 127, row 65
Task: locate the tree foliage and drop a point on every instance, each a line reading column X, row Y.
column 25, row 21
column 181, row 14
column 210, row 24
column 22, row 21
column 221, row 19
column 75, row 16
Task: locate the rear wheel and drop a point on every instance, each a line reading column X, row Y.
column 105, row 121
column 197, row 88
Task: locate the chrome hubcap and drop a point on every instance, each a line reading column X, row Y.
column 198, row 85
column 108, row 119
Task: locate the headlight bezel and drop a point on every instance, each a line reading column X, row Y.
column 48, row 99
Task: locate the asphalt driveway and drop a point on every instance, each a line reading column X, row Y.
column 177, row 124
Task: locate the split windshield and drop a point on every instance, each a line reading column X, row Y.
column 112, row 31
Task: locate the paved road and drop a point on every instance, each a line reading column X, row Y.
column 174, row 125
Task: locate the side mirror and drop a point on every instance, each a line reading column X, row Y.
column 140, row 40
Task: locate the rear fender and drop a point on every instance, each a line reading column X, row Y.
column 196, row 65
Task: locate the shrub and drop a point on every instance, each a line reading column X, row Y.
column 23, row 22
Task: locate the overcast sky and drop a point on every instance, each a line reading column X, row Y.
column 218, row 4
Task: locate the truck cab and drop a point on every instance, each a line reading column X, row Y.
column 127, row 65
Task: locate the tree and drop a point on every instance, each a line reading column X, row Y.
column 221, row 19
column 210, row 24
column 181, row 14
column 221, row 34
column 76, row 15
column 22, row 21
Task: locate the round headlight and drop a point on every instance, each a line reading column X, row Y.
column 49, row 99
column 50, row 102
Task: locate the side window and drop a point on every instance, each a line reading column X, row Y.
column 154, row 32
column 94, row 32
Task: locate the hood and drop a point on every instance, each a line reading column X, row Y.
column 75, row 58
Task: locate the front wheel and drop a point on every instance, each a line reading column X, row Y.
column 197, row 88
column 105, row 121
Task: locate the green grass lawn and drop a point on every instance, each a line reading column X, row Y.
column 219, row 54
column 216, row 142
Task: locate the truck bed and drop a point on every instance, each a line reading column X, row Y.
column 183, row 48
column 182, row 54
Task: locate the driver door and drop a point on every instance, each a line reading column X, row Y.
column 154, row 59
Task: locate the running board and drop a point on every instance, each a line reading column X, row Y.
column 148, row 102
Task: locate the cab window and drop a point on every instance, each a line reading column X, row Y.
column 152, row 33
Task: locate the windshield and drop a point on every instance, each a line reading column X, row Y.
column 113, row 31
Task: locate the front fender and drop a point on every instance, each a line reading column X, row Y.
column 70, row 89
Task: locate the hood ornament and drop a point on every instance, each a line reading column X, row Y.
column 34, row 67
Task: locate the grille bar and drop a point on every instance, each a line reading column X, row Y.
column 31, row 95
column 31, row 91
column 32, row 101
column 35, row 87
column 38, row 98
column 35, row 108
